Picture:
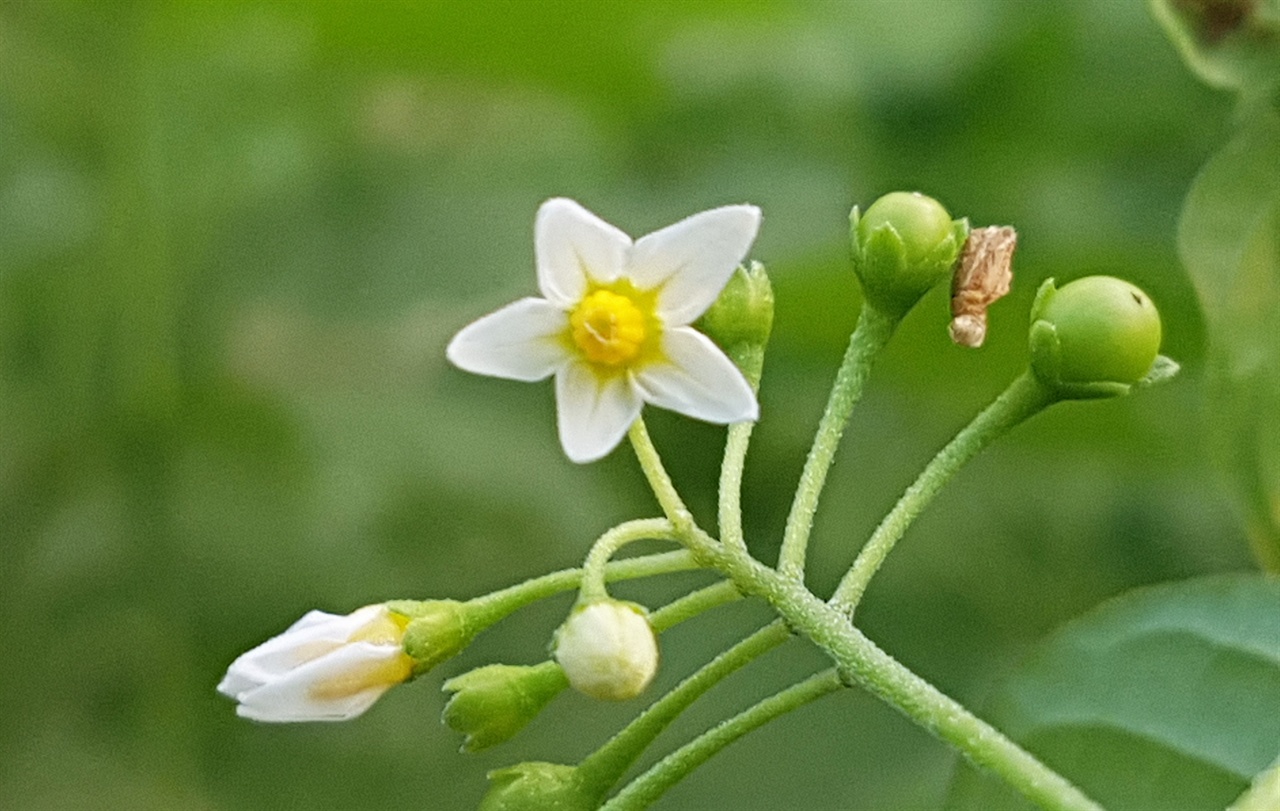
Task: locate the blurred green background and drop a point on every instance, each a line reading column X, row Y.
column 235, row 237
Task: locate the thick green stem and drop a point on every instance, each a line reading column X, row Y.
column 594, row 571
column 607, row 764
column 648, row 787
column 1024, row 397
column 860, row 660
column 872, row 333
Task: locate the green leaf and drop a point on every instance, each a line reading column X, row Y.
column 1229, row 240
column 1232, row 44
column 1167, row 697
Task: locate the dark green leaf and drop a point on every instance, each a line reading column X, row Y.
column 1165, row 698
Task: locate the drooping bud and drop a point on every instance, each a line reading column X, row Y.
column 491, row 704
column 437, row 630
column 608, row 650
column 903, row 245
column 534, row 785
column 1094, row 337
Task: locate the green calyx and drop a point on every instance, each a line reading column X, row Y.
column 436, row 630
column 741, row 319
column 743, row 313
column 491, row 704
column 903, row 245
column 540, row 786
column 1095, row 337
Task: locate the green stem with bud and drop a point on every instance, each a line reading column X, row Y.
column 494, row 606
column 872, row 333
column 648, row 787
column 607, row 764
column 1024, row 397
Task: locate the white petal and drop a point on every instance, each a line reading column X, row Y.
column 699, row 381
column 299, row 694
column 522, row 341
column 315, row 635
column 572, row 245
column 593, row 414
column 692, row 260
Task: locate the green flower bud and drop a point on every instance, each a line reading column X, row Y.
column 538, row 787
column 491, row 704
column 437, row 630
column 903, row 245
column 741, row 319
column 1094, row 337
column 743, row 313
column 608, row 650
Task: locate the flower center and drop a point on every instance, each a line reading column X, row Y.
column 608, row 327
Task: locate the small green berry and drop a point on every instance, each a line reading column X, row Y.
column 903, row 245
column 1094, row 337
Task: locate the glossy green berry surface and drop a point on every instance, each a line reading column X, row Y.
column 1095, row 330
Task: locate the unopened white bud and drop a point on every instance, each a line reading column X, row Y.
column 608, row 650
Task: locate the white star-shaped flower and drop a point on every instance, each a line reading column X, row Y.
column 613, row 323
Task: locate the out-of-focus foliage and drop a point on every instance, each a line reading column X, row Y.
column 1152, row 701
column 235, row 237
column 1233, row 44
column 1230, row 241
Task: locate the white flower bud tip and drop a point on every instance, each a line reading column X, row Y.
column 324, row 667
column 608, row 650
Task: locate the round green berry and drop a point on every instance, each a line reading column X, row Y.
column 919, row 221
column 903, row 245
column 1096, row 330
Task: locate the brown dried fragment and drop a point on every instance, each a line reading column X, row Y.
column 982, row 276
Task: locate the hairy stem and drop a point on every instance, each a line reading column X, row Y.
column 493, row 607
column 607, row 764
column 693, row 604
column 686, row 530
column 872, row 333
column 750, row 359
column 861, row 661
column 641, row 792
column 594, row 569
column 1024, row 397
